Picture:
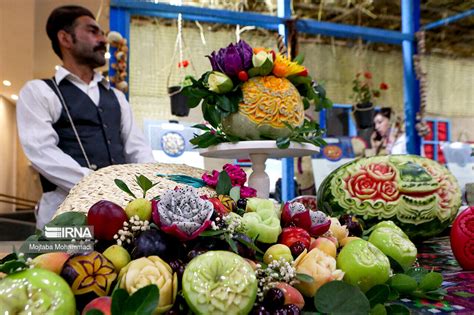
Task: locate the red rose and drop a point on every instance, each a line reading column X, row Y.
column 389, row 190
column 368, row 75
column 381, row 171
column 383, row 86
column 362, row 186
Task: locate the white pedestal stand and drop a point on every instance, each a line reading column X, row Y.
column 258, row 152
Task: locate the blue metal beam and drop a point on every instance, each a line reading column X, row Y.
column 261, row 20
column 288, row 165
column 448, row 20
column 352, row 31
column 411, row 95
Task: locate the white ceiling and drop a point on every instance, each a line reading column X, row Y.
column 25, row 49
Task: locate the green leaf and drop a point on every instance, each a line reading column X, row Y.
column 121, row 184
column 234, row 193
column 306, row 103
column 378, row 309
column 13, row 266
column 417, row 273
column 94, row 311
column 337, row 297
column 212, row 232
column 144, row 183
column 397, row 309
column 283, row 143
column 223, row 103
column 144, row 301
column 463, row 294
column 250, row 245
column 304, row 278
column 119, row 298
column 403, row 283
column 12, row 256
column 231, row 243
column 72, row 218
column 201, row 126
column 378, row 294
column 193, row 102
column 224, row 183
column 253, row 72
column 299, row 59
column 393, row 295
column 431, row 281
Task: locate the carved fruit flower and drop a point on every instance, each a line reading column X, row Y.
column 88, row 273
column 318, row 265
column 151, row 270
column 296, row 214
column 182, row 213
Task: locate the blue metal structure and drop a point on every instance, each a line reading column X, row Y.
column 411, row 86
column 448, row 20
column 121, row 10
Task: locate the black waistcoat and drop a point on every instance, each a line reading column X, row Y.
column 98, row 127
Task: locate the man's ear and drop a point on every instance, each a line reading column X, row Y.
column 65, row 39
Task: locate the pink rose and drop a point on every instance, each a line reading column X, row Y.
column 211, row 180
column 389, row 191
column 362, row 186
column 247, row 192
column 381, row 171
column 236, row 174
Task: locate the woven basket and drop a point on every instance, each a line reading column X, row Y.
column 100, row 185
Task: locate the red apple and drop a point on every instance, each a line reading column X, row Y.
column 107, row 218
column 292, row 295
column 103, row 304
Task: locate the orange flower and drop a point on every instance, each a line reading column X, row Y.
column 284, row 67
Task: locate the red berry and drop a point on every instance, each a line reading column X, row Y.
column 107, row 218
column 243, row 76
column 303, row 73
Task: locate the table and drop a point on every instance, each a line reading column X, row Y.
column 258, row 152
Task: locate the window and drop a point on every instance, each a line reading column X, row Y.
column 431, row 143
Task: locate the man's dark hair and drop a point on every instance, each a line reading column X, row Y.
column 63, row 18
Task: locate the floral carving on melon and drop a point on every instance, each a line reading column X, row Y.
column 273, row 101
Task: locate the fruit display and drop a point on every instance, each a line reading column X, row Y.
column 218, row 253
column 419, row 195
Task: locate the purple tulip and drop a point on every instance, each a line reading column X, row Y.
column 232, row 59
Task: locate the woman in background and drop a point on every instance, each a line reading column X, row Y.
column 388, row 137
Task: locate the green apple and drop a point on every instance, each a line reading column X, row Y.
column 140, row 207
column 277, row 252
column 118, row 255
column 36, row 291
column 364, row 264
column 394, row 245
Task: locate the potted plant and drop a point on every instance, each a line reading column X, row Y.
column 178, row 99
column 363, row 92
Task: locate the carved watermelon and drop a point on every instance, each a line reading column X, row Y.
column 418, row 194
column 268, row 104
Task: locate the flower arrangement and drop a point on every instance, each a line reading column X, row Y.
column 255, row 94
column 363, row 89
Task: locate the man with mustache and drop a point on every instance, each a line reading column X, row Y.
column 75, row 122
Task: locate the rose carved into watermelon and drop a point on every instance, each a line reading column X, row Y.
column 269, row 103
column 418, row 194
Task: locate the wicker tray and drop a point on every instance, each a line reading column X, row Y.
column 100, row 185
